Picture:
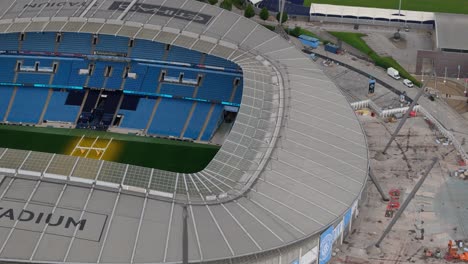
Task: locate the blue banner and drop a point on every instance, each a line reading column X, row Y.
column 326, row 245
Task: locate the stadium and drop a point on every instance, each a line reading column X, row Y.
column 82, row 79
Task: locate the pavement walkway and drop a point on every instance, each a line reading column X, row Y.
column 439, row 109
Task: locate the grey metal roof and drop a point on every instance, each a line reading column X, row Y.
column 295, row 160
column 451, row 31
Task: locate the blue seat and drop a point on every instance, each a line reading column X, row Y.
column 170, row 117
column 138, row 119
column 32, row 78
column 7, row 69
column 39, row 41
column 146, row 49
column 216, row 87
column 64, row 69
column 28, row 105
column 5, row 97
column 9, row 41
column 211, row 60
column 177, row 89
column 178, row 54
column 96, row 79
column 197, row 120
column 75, row 43
column 58, row 110
column 151, row 80
column 213, row 124
column 112, row 44
column 75, row 78
column 135, row 84
column 114, row 81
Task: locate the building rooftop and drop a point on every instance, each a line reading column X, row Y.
column 295, row 161
column 452, row 31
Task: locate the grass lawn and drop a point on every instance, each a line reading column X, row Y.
column 297, row 31
column 355, row 40
column 163, row 154
column 447, row 6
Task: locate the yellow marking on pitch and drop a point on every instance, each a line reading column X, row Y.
column 95, row 148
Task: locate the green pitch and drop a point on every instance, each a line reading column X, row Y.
column 447, row 6
column 163, row 154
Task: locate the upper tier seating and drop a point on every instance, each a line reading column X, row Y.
column 178, row 54
column 9, row 41
column 219, row 62
column 75, row 43
column 146, row 49
column 39, row 41
column 112, row 44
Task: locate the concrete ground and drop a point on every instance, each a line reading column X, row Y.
column 438, row 212
column 379, row 38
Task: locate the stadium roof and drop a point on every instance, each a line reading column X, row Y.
column 296, row 158
column 370, row 13
column 452, row 31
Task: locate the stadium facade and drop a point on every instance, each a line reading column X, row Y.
column 283, row 188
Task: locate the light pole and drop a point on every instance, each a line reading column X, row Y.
column 458, row 76
column 399, row 9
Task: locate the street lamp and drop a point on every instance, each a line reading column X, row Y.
column 399, row 10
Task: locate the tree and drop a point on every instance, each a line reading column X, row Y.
column 285, row 17
column 249, row 11
column 213, row 2
column 296, row 32
column 226, row 4
column 264, row 14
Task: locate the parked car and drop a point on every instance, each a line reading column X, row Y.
column 408, row 83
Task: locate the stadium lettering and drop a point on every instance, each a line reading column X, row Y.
column 29, row 216
column 163, row 11
column 56, row 4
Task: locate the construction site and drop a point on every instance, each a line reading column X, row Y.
column 433, row 227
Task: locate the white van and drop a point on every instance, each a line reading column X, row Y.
column 408, row 83
column 394, row 73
